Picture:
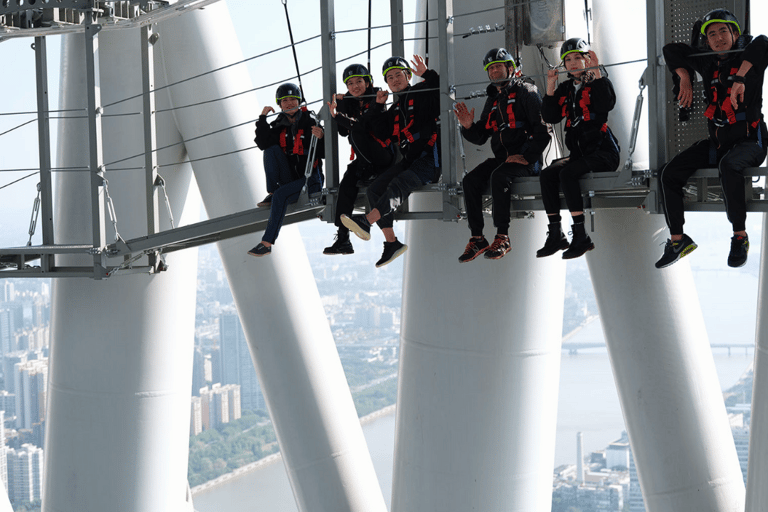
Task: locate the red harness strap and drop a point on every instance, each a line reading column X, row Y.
column 584, row 102
column 725, row 105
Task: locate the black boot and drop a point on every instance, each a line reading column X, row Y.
column 342, row 245
column 580, row 244
column 556, row 241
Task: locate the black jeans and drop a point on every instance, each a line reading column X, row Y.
column 500, row 174
column 371, row 159
column 731, row 164
column 565, row 174
column 394, row 185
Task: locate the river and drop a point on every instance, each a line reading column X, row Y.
column 588, row 403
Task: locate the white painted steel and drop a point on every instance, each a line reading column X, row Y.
column 757, row 470
column 657, row 342
column 323, row 447
column 121, row 349
column 480, row 351
column 665, row 374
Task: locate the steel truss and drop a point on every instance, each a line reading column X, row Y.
column 629, row 188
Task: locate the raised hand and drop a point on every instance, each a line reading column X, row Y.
column 381, row 97
column 551, row 81
column 267, row 110
column 465, row 116
column 419, row 66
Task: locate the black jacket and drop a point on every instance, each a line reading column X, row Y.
column 412, row 119
column 512, row 120
column 355, row 114
column 727, row 126
column 293, row 138
column 586, row 113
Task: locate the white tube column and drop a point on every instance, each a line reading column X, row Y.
column 480, row 351
column 665, row 374
column 757, row 472
column 479, row 374
column 121, row 348
column 291, row 344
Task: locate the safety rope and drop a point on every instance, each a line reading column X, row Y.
column 111, row 209
column 293, row 47
column 635, row 122
column 160, row 182
column 35, row 213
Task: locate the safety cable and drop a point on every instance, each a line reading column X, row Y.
column 35, row 112
column 17, row 127
column 370, row 12
column 211, row 71
column 18, row 180
column 293, row 47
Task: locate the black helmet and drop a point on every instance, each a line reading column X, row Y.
column 288, row 90
column 719, row 16
column 573, row 45
column 395, row 63
column 495, row 55
column 357, row 70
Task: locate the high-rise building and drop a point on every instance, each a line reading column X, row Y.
column 8, row 326
column 236, row 363
column 31, row 384
column 617, row 454
column 8, row 403
column 10, row 359
column 25, row 474
column 636, row 503
column 198, row 372
column 741, row 440
column 216, row 364
column 3, row 459
column 196, row 417
column 234, row 401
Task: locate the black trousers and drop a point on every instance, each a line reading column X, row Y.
column 565, row 173
column 393, row 186
column 731, row 164
column 500, row 174
column 371, row 159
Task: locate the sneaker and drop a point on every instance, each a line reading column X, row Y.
column 673, row 251
column 260, row 250
column 357, row 224
column 391, row 251
column 475, row 248
column 498, row 248
column 342, row 245
column 267, row 201
column 739, row 249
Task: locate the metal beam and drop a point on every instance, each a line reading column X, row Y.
column 331, row 140
column 147, row 43
column 95, row 153
column 448, row 131
column 44, row 146
column 397, row 31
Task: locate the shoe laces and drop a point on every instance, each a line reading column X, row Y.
column 497, row 243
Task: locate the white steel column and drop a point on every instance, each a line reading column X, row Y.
column 479, row 373
column 480, row 348
column 121, row 349
column 757, row 493
column 292, row 347
column 665, row 374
